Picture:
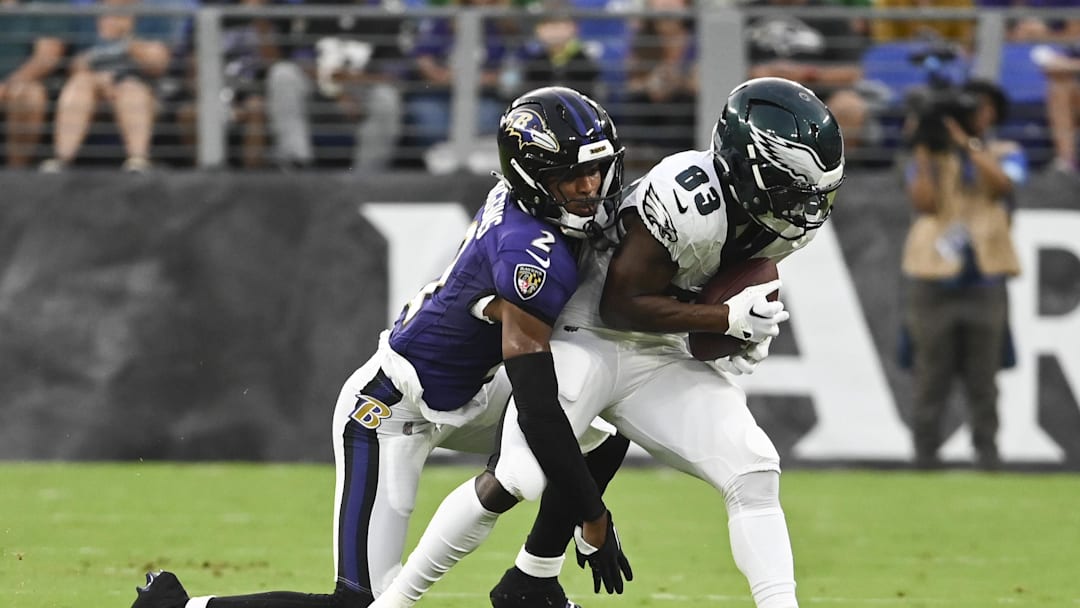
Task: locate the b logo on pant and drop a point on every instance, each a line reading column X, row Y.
column 370, row 412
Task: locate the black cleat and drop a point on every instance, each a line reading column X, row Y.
column 519, row 590
column 162, row 590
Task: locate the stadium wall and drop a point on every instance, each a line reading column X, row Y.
column 214, row 316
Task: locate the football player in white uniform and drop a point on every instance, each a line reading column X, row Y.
column 620, row 350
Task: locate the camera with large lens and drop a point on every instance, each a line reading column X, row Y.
column 940, row 99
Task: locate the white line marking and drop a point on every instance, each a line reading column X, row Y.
column 723, row 599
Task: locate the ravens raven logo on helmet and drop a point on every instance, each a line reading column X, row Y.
column 531, row 130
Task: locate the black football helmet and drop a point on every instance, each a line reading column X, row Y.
column 782, row 153
column 558, row 132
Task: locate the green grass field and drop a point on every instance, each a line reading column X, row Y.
column 80, row 536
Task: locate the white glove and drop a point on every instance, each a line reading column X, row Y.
column 746, row 360
column 751, row 316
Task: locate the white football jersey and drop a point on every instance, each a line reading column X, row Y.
column 680, row 203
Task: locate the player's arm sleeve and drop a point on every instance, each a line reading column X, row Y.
column 539, row 292
column 549, row 434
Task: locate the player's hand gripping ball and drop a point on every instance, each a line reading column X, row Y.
column 726, row 283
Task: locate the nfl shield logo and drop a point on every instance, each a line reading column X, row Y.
column 528, row 280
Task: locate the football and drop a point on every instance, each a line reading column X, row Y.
column 727, row 282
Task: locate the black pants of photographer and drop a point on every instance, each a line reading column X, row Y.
column 957, row 334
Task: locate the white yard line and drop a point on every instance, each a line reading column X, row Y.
column 724, row 599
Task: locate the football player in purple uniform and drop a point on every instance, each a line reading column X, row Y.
column 432, row 380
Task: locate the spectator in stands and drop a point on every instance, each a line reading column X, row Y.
column 428, row 105
column 859, row 25
column 960, row 31
column 958, row 255
column 658, row 110
column 1060, row 62
column 1063, row 107
column 823, row 53
column 121, row 66
column 555, row 55
column 1035, row 29
column 250, row 46
column 32, row 51
column 344, row 70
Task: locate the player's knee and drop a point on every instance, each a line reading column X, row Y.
column 755, row 491
column 493, row 496
column 738, row 451
column 749, row 455
column 523, row 479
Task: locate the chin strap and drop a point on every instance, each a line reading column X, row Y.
column 598, row 238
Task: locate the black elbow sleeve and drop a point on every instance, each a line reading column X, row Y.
column 549, row 434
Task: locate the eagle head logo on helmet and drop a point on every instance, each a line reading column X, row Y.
column 799, row 161
column 530, row 130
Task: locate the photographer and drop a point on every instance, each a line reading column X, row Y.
column 958, row 254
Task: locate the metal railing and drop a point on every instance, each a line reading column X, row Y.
column 720, row 34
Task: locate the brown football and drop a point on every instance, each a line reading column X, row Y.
column 728, row 281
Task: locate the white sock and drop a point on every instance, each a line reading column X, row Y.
column 392, row 598
column 457, row 528
column 762, row 551
column 539, row 567
column 198, row 602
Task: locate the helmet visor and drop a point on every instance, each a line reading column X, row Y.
column 610, row 172
column 803, row 206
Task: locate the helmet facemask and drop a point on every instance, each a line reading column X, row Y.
column 552, row 205
column 787, row 210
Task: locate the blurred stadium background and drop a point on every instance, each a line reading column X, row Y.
column 209, row 306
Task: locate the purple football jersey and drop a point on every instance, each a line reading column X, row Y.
column 507, row 253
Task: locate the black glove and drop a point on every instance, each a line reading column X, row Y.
column 608, row 563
